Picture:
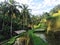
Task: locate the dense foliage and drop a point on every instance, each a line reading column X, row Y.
column 12, row 19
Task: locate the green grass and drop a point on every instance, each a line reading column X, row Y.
column 12, row 40
column 36, row 40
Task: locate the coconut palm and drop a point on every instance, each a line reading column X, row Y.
column 9, row 8
column 25, row 15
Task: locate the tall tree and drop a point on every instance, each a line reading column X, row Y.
column 25, row 13
column 9, row 8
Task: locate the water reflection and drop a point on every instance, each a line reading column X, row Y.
column 42, row 36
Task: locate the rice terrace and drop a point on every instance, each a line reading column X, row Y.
column 29, row 22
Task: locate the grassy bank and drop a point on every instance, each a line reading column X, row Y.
column 13, row 39
column 35, row 40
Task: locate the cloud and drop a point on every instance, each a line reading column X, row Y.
column 45, row 6
column 39, row 6
column 1, row 0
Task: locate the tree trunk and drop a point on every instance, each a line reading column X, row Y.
column 3, row 25
column 23, row 22
column 11, row 26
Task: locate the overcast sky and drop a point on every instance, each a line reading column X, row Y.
column 39, row 6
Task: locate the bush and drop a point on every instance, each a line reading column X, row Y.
column 2, row 37
column 12, row 40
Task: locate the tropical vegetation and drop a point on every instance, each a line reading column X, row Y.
column 12, row 19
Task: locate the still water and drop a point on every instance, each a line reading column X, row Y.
column 42, row 36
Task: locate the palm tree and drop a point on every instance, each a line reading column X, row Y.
column 3, row 9
column 25, row 12
column 10, row 9
column 13, row 10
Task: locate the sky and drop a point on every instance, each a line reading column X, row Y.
column 39, row 6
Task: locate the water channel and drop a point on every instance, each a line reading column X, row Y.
column 42, row 36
